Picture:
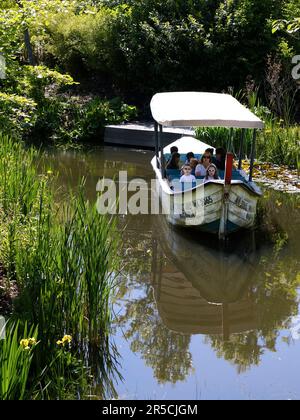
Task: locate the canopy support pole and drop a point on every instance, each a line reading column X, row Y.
column 156, row 143
column 231, row 141
column 243, row 133
column 253, row 149
column 162, row 158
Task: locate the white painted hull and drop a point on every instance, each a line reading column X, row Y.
column 242, row 206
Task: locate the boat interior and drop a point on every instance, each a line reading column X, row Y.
column 175, row 174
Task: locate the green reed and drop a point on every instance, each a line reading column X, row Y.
column 63, row 259
column 278, row 143
column 15, row 361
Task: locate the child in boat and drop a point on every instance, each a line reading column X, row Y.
column 212, row 173
column 187, row 174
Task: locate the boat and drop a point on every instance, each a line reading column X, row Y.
column 221, row 206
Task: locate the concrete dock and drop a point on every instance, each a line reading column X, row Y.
column 141, row 135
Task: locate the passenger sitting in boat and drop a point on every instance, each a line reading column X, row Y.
column 189, row 157
column 220, row 160
column 187, row 174
column 173, row 150
column 194, row 163
column 210, row 151
column 212, row 173
column 203, row 165
column 174, row 161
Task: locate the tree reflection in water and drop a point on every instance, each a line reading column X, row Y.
column 165, row 351
column 240, row 300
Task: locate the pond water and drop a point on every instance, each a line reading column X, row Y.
column 194, row 320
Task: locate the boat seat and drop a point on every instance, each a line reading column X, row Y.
column 173, row 174
column 236, row 176
column 221, row 174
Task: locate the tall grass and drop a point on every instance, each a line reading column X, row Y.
column 277, row 143
column 15, row 362
column 63, row 259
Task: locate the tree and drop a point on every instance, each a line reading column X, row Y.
column 27, row 36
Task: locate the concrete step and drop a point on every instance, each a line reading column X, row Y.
column 141, row 135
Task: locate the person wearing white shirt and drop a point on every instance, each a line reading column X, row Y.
column 187, row 176
column 201, row 169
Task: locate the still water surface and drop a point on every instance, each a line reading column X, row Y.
column 194, row 321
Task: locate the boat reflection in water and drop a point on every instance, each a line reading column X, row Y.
column 242, row 300
column 203, row 290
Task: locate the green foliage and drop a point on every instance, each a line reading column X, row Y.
column 280, row 144
column 84, row 40
column 36, row 80
column 63, row 264
column 31, row 104
column 149, row 46
column 15, row 362
column 69, row 121
column 87, row 121
column 17, row 114
column 44, row 114
column 291, row 27
column 277, row 143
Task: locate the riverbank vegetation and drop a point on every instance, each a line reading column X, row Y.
column 278, row 143
column 61, row 260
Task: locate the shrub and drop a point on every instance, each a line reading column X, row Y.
column 84, row 41
column 86, row 122
column 38, row 82
column 147, row 46
column 17, row 114
column 70, row 121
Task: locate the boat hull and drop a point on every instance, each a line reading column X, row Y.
column 207, row 201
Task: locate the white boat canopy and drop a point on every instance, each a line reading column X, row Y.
column 201, row 109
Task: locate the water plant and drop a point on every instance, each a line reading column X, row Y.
column 15, row 360
column 63, row 258
column 278, row 143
